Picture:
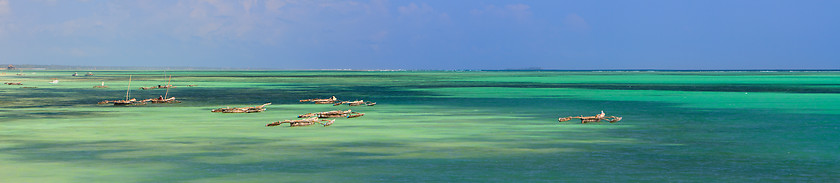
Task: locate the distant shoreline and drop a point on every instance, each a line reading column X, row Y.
column 33, row 67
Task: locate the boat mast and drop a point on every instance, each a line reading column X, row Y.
column 128, row 89
column 167, row 87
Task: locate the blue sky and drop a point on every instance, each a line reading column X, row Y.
column 382, row 34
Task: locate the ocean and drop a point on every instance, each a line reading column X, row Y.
column 430, row 126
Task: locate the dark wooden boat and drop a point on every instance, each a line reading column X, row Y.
column 165, row 99
column 259, row 108
column 162, row 100
column 126, row 101
column 332, row 114
column 158, row 87
column 303, row 122
column 355, row 103
column 321, row 101
column 587, row 119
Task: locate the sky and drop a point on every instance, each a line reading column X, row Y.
column 433, row 34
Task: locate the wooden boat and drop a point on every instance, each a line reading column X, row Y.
column 127, row 95
column 303, row 122
column 259, row 108
column 355, row 103
column 587, row 119
column 165, row 86
column 333, row 114
column 128, row 102
column 163, row 99
column 321, row 101
column 158, row 87
column 132, row 101
column 10, row 83
column 89, row 74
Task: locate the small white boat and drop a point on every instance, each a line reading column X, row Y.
column 101, row 86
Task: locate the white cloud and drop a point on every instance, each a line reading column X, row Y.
column 209, row 19
column 267, row 21
column 274, row 5
column 415, row 9
column 575, row 23
column 520, row 12
column 379, row 36
column 378, row 7
column 198, row 13
column 209, row 29
column 444, row 17
column 247, row 5
column 4, row 8
column 422, row 12
column 479, row 12
column 223, row 8
column 214, row 21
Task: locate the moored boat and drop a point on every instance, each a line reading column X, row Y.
column 333, row 114
column 303, row 122
column 259, row 108
column 321, row 101
column 596, row 118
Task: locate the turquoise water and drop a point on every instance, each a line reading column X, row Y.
column 426, row 127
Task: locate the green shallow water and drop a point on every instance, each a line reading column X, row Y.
column 426, row 127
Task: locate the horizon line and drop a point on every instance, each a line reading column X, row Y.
column 152, row 68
